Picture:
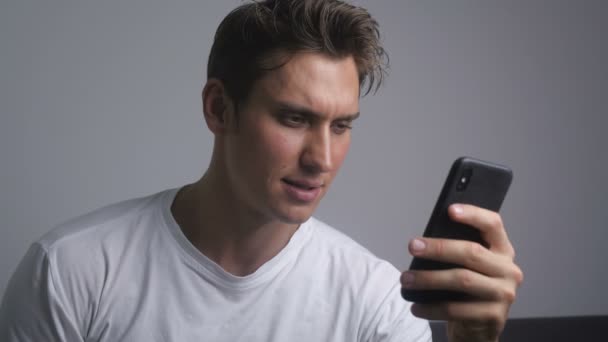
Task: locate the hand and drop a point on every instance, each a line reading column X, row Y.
column 489, row 275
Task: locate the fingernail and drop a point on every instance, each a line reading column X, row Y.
column 418, row 245
column 457, row 209
column 408, row 279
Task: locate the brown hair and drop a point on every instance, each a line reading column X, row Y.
column 261, row 35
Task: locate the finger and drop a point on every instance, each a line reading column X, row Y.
column 489, row 224
column 462, row 311
column 463, row 280
column 468, row 254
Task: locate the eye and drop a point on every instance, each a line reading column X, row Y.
column 293, row 120
column 341, row 127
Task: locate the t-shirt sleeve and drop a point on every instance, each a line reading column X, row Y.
column 33, row 309
column 389, row 317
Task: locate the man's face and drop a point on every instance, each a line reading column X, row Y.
column 293, row 135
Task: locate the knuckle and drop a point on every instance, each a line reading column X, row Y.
column 511, row 253
column 495, row 315
column 518, row 275
column 465, row 279
column 439, row 247
column 496, row 221
column 429, row 280
column 451, row 312
column 508, row 295
column 475, row 254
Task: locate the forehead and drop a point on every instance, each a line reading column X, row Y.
column 322, row 83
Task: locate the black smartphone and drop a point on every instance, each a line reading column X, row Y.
column 470, row 181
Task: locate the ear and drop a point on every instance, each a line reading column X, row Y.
column 217, row 107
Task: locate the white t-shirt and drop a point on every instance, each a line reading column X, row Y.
column 126, row 272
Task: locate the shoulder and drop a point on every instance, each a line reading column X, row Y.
column 83, row 251
column 116, row 220
column 60, row 279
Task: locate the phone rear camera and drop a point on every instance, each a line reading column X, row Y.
column 464, row 180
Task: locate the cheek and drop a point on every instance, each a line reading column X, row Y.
column 279, row 148
column 340, row 151
column 284, row 150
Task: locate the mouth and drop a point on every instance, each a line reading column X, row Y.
column 304, row 185
column 302, row 191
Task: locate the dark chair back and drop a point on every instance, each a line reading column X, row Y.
column 556, row 329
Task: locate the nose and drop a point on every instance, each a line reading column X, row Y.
column 317, row 154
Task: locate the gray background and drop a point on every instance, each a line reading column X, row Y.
column 100, row 102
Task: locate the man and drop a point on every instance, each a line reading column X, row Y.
column 236, row 256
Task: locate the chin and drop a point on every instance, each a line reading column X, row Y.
column 295, row 219
column 295, row 215
column 298, row 221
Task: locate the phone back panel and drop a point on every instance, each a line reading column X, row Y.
column 486, row 186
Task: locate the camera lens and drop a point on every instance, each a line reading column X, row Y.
column 464, row 180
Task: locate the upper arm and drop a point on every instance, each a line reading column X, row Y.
column 388, row 315
column 32, row 308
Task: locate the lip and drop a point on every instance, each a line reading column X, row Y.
column 304, row 183
column 302, row 190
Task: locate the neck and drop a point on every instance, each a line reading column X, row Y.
column 225, row 229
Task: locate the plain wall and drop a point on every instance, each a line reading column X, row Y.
column 100, row 101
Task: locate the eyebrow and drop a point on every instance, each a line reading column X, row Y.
column 294, row 108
